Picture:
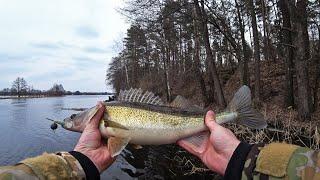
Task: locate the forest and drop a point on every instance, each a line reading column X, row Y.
column 205, row 50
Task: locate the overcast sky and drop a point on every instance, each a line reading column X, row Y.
column 62, row 41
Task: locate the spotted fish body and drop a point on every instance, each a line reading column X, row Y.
column 150, row 126
column 141, row 118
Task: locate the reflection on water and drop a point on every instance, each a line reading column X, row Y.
column 18, row 113
column 25, row 132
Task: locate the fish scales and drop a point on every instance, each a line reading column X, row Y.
column 132, row 118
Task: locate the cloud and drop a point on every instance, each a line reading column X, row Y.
column 86, row 32
column 94, row 50
column 46, row 45
column 7, row 56
column 83, row 60
column 60, row 41
column 66, row 45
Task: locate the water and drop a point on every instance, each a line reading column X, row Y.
column 24, row 132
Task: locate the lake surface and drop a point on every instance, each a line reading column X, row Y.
column 25, row 132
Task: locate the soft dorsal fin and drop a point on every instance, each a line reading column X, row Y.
column 180, row 102
column 138, row 96
column 183, row 103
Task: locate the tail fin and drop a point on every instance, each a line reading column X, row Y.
column 241, row 104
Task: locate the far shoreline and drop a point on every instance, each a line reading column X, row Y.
column 45, row 96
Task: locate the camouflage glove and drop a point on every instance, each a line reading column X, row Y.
column 47, row 166
column 281, row 161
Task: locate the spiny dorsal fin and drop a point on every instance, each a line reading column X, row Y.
column 138, row 96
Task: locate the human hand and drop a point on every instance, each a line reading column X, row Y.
column 215, row 151
column 92, row 145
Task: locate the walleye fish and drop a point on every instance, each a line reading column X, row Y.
column 143, row 119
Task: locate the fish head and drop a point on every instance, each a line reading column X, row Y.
column 77, row 122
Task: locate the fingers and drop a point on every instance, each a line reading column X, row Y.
column 211, row 123
column 94, row 122
column 210, row 120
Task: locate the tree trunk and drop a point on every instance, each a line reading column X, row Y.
column 256, row 52
column 300, row 42
column 166, row 74
column 244, row 70
column 127, row 76
column 287, row 52
column 315, row 92
column 189, row 52
column 197, row 66
column 317, row 79
column 228, row 56
column 213, row 70
column 265, row 30
column 223, row 27
column 166, row 59
column 19, row 88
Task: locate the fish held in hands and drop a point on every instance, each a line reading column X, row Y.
column 141, row 118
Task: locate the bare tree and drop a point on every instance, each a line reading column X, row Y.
column 197, row 67
column 256, row 51
column 19, row 86
column 300, row 39
column 288, row 51
column 212, row 65
column 244, row 69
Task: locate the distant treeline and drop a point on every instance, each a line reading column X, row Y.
column 21, row 88
column 87, row 93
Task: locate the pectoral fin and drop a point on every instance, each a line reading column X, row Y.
column 116, row 145
column 91, row 112
column 117, row 138
column 196, row 143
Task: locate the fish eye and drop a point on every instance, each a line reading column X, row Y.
column 72, row 116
